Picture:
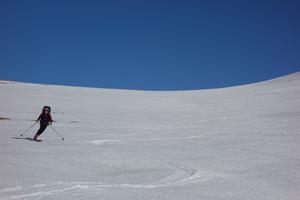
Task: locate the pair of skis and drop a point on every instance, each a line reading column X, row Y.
column 55, row 131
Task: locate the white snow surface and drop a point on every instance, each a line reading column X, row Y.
column 237, row 143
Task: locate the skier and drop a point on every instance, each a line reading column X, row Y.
column 45, row 119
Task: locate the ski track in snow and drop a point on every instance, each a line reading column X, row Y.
column 108, row 141
column 182, row 175
column 47, row 190
column 52, row 189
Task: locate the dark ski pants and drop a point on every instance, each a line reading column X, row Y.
column 40, row 131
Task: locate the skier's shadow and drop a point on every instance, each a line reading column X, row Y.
column 23, row 138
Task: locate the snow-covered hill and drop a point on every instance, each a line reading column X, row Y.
column 238, row 143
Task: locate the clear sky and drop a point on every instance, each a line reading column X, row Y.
column 152, row 45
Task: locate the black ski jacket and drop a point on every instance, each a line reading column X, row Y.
column 45, row 119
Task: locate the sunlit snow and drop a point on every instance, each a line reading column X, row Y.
column 238, row 143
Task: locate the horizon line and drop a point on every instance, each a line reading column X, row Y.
column 146, row 90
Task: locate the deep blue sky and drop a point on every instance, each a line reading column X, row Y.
column 153, row 45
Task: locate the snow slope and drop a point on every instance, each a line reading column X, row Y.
column 230, row 144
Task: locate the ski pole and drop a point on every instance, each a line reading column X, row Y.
column 57, row 133
column 28, row 129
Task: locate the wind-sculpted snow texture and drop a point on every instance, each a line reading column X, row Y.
column 238, row 143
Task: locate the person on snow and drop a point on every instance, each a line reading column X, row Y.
column 45, row 119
